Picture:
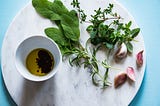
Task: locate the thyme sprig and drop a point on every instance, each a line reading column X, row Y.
column 82, row 15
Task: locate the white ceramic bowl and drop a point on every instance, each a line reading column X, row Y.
column 29, row 44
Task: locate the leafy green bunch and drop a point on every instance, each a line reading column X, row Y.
column 106, row 29
column 67, row 34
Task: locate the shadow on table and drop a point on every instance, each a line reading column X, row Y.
column 138, row 96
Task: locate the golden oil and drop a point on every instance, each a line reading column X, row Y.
column 40, row 62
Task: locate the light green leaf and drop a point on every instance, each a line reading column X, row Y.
column 129, row 47
column 109, row 45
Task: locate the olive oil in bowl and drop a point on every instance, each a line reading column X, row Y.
column 40, row 62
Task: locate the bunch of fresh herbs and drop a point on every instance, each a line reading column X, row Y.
column 67, row 34
column 112, row 33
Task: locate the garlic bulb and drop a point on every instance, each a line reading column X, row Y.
column 121, row 52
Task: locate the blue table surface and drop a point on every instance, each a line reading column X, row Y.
column 147, row 15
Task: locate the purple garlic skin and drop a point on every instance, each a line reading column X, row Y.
column 121, row 52
column 130, row 73
column 139, row 59
column 120, row 79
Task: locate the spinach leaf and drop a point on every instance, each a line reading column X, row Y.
column 66, row 20
column 70, row 25
column 57, row 36
column 43, row 7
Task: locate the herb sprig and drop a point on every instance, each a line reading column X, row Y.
column 82, row 15
column 87, row 58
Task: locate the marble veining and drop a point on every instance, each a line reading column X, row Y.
column 71, row 86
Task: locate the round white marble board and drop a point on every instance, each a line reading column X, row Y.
column 71, row 86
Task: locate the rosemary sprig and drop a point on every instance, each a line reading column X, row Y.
column 82, row 56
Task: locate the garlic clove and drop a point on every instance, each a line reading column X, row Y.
column 120, row 79
column 139, row 59
column 131, row 74
column 121, row 52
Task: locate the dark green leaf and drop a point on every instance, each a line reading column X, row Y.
column 89, row 28
column 135, row 32
column 56, row 11
column 59, row 8
column 57, row 36
column 70, row 25
column 93, row 34
column 129, row 24
column 95, row 82
column 102, row 29
column 105, row 78
column 106, row 74
column 43, row 7
column 64, row 50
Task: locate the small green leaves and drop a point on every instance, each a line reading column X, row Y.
column 75, row 3
column 82, row 15
column 89, row 28
column 112, row 33
column 129, row 24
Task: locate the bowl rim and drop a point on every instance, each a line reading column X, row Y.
column 32, row 76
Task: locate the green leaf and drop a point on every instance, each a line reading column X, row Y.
column 56, row 35
column 89, row 28
column 93, row 34
column 95, row 82
column 106, row 74
column 128, row 24
column 109, row 45
column 59, row 8
column 56, row 11
column 102, row 29
column 135, row 32
column 64, row 49
column 105, row 78
column 43, row 7
column 129, row 47
column 70, row 25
